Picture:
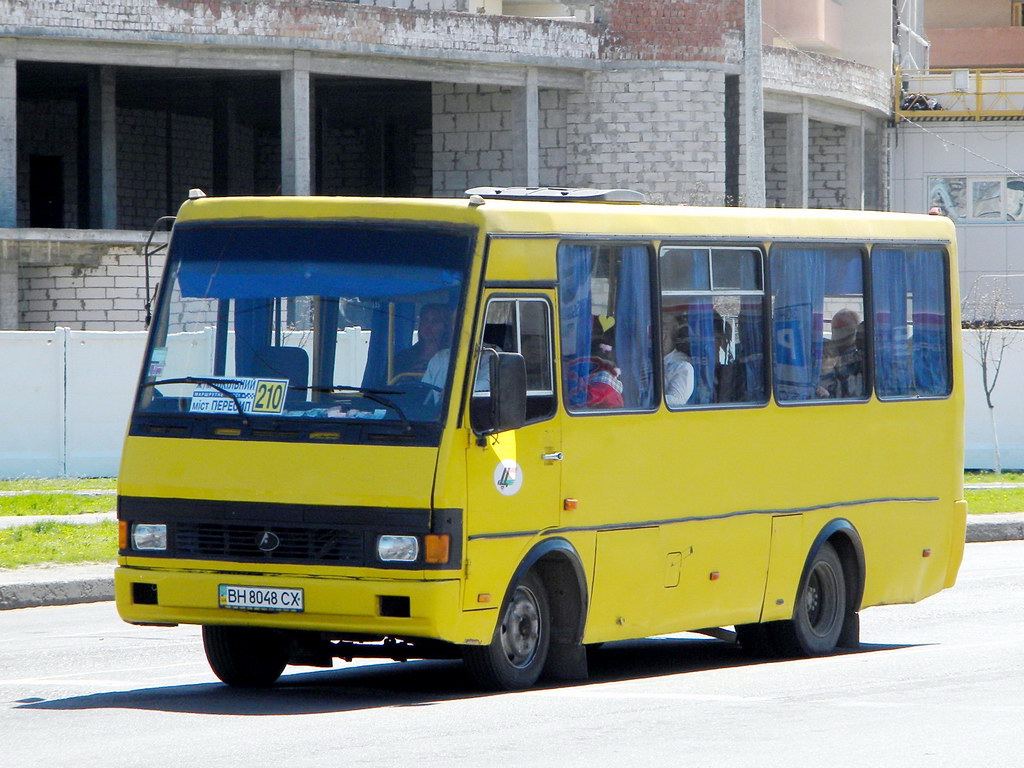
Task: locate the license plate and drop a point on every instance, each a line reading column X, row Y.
column 249, row 598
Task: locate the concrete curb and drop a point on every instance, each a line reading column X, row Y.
column 56, row 585
column 69, row 585
column 1006, row 527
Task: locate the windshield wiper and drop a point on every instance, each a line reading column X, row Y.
column 216, row 384
column 370, row 394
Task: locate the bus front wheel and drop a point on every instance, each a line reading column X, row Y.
column 820, row 609
column 517, row 652
column 245, row 657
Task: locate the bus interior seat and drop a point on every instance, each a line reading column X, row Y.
column 290, row 363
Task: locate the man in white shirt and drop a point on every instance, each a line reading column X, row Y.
column 679, row 378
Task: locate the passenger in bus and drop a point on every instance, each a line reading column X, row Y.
column 842, row 364
column 726, row 370
column 432, row 337
column 604, row 387
column 679, row 377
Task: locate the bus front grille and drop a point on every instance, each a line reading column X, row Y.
column 259, row 543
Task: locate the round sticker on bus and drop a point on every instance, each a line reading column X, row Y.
column 508, row 477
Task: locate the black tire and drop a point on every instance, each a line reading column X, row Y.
column 245, row 657
column 820, row 609
column 516, row 654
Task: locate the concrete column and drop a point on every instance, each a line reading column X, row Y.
column 798, row 148
column 103, row 148
column 753, row 107
column 296, row 105
column 8, row 295
column 8, row 135
column 225, row 174
column 526, row 122
column 854, row 140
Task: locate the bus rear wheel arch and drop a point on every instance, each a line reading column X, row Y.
column 820, row 608
column 825, row 615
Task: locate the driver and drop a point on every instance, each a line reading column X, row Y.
column 436, row 373
column 433, row 337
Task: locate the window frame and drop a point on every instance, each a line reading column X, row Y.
column 517, row 298
column 650, row 246
column 761, row 251
column 863, row 250
column 909, row 247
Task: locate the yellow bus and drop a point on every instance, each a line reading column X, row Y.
column 511, row 426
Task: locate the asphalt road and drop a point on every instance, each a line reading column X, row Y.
column 940, row 683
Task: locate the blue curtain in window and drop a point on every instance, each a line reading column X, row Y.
column 798, row 284
column 574, row 266
column 929, row 343
column 893, row 375
column 375, row 374
column 253, row 326
column 751, row 339
column 751, row 350
column 633, row 328
column 703, row 351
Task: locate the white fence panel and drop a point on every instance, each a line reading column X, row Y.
column 102, row 371
column 1008, row 398
column 32, row 403
column 65, row 398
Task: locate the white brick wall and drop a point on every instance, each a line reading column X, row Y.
column 826, row 169
column 655, row 130
column 775, row 162
column 473, row 136
column 108, row 296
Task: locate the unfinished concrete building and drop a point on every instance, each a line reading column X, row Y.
column 110, row 111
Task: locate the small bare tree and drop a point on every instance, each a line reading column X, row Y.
column 995, row 325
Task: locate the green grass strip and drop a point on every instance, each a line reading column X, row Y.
column 992, row 477
column 997, row 500
column 57, row 543
column 59, row 484
column 56, row 504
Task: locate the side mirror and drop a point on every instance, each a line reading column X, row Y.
column 499, row 404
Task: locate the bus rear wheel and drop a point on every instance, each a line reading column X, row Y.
column 516, row 654
column 820, row 610
column 245, row 657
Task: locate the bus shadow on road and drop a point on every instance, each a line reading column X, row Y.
column 417, row 683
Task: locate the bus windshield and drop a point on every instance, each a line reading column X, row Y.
column 291, row 320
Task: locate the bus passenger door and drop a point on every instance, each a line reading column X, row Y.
column 514, row 477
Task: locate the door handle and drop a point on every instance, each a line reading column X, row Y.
column 557, row 456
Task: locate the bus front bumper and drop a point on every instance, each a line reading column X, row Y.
column 334, row 605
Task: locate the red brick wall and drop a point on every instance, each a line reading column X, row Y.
column 668, row 30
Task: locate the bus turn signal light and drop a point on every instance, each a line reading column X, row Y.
column 436, row 547
column 122, row 534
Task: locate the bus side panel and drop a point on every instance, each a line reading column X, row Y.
column 785, row 565
column 721, row 574
column 907, row 550
column 625, row 579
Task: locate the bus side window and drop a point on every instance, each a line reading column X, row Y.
column 606, row 324
column 712, row 319
column 911, row 322
column 809, row 284
column 520, row 325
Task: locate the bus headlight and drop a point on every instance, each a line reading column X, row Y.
column 149, row 536
column 398, row 549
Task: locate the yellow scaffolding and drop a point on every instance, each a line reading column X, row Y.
column 959, row 94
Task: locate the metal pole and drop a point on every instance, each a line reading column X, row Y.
column 754, row 196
